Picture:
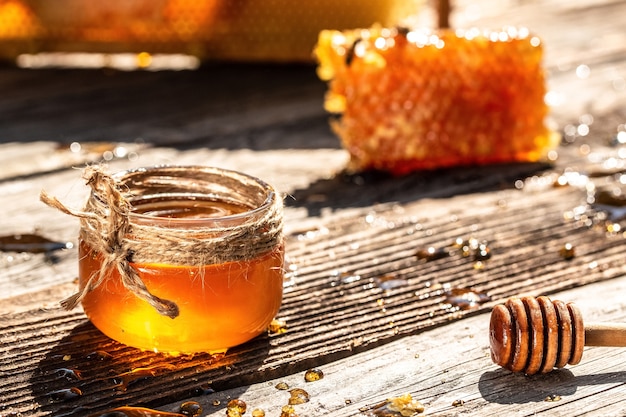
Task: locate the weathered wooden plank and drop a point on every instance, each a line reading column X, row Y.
column 165, row 107
column 365, row 226
column 331, row 315
column 451, row 363
column 371, row 228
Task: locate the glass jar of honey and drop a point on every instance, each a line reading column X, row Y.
column 191, row 260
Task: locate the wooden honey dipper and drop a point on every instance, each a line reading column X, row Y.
column 535, row 335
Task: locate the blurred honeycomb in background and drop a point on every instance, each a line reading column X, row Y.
column 230, row 30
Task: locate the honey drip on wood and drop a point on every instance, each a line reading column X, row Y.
column 236, row 408
column 313, row 375
column 298, row 396
column 126, row 379
column 466, row 298
column 191, row 409
column 402, row 406
column 31, row 243
column 64, row 395
column 288, row 411
column 69, row 374
column 283, row 386
column 128, row 411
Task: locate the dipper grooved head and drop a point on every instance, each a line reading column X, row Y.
column 535, row 335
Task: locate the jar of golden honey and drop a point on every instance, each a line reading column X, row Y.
column 180, row 259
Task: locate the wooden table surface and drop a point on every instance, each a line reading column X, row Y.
column 345, row 234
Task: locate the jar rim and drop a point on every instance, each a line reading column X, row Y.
column 268, row 191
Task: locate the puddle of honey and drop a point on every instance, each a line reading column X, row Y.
column 187, row 409
column 466, row 298
column 432, row 254
column 63, row 395
column 402, row 406
column 128, row 411
column 69, row 374
column 390, row 281
column 126, row 379
column 31, row 243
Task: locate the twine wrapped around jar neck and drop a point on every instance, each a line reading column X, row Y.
column 111, row 229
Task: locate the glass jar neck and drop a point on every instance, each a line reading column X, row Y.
column 194, row 196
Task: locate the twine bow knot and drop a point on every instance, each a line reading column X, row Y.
column 108, row 226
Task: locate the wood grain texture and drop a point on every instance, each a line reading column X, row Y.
column 451, row 365
column 374, row 337
column 336, row 303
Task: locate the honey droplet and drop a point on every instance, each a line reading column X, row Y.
column 65, row 395
column 257, row 412
column 313, row 375
column 298, row 396
column 68, row 374
column 402, row 406
column 236, row 408
column 283, row 386
column 458, row 403
column 482, row 252
column 478, row 250
column 479, row 265
column 432, row 254
column 277, row 327
column 191, row 409
column 349, row 277
column 466, row 298
column 390, row 281
column 567, row 252
column 123, row 381
column 216, row 403
column 288, row 411
column 553, row 398
column 99, row 355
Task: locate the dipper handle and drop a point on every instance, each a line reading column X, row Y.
column 536, row 335
column 605, row 334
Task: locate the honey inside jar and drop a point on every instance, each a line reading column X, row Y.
column 220, row 305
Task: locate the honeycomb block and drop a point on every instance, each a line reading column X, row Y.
column 413, row 100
